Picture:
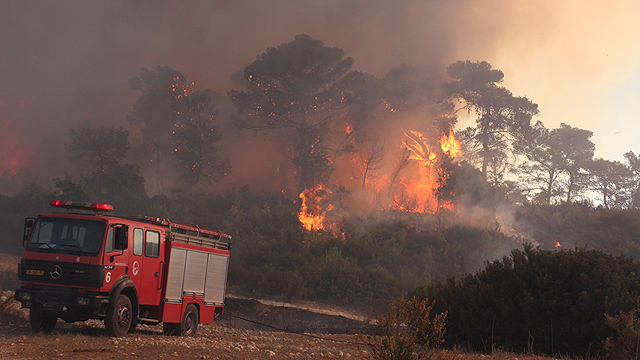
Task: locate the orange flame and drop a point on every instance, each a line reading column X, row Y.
column 449, row 144
column 313, row 211
column 420, row 186
column 420, row 148
column 413, row 185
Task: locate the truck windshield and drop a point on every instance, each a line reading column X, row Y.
column 68, row 236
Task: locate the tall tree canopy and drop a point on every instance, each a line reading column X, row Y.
column 97, row 149
column 556, row 160
column 160, row 105
column 502, row 117
column 578, row 150
column 298, row 88
column 158, row 108
column 634, row 164
column 613, row 180
column 196, row 136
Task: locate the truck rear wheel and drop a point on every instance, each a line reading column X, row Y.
column 41, row 320
column 119, row 317
column 187, row 327
column 189, row 323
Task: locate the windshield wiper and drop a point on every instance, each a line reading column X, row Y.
column 38, row 247
column 77, row 247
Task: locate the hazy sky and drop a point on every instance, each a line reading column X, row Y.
column 64, row 62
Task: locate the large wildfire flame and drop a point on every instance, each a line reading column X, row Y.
column 412, row 186
column 418, row 187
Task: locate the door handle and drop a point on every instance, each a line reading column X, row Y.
column 158, row 273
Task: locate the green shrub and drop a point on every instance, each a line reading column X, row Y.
column 545, row 301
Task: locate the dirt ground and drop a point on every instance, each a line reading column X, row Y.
column 89, row 341
column 291, row 332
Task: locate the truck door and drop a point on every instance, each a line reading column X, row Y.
column 115, row 254
column 151, row 268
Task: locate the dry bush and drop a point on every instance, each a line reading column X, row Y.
column 625, row 344
column 408, row 331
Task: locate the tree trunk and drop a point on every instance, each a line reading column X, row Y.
column 550, row 188
column 485, row 150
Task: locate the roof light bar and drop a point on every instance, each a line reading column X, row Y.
column 81, row 205
column 195, row 228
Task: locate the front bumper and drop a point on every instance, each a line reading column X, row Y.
column 70, row 304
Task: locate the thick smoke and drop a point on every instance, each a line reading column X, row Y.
column 67, row 62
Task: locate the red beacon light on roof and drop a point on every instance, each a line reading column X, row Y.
column 77, row 205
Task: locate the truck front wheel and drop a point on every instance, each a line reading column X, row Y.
column 119, row 317
column 41, row 320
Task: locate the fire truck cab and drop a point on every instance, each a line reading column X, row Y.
column 87, row 265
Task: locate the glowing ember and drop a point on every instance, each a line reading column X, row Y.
column 181, row 89
column 388, row 106
column 348, row 130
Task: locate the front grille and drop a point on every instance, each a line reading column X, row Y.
column 61, row 273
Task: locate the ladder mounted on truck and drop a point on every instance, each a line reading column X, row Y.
column 192, row 234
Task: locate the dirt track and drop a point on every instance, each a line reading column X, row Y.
column 218, row 341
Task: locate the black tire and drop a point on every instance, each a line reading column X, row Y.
column 134, row 324
column 170, row 329
column 41, row 320
column 119, row 317
column 189, row 324
column 187, row 327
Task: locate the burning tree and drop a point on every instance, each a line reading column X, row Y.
column 354, row 140
column 425, row 188
column 396, row 130
column 298, row 88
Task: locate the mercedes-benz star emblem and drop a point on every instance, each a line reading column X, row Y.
column 56, row 271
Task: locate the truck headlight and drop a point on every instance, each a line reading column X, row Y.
column 24, row 296
column 83, row 301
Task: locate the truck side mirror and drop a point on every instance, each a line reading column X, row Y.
column 28, row 224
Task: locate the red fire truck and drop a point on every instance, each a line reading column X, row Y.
column 85, row 264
